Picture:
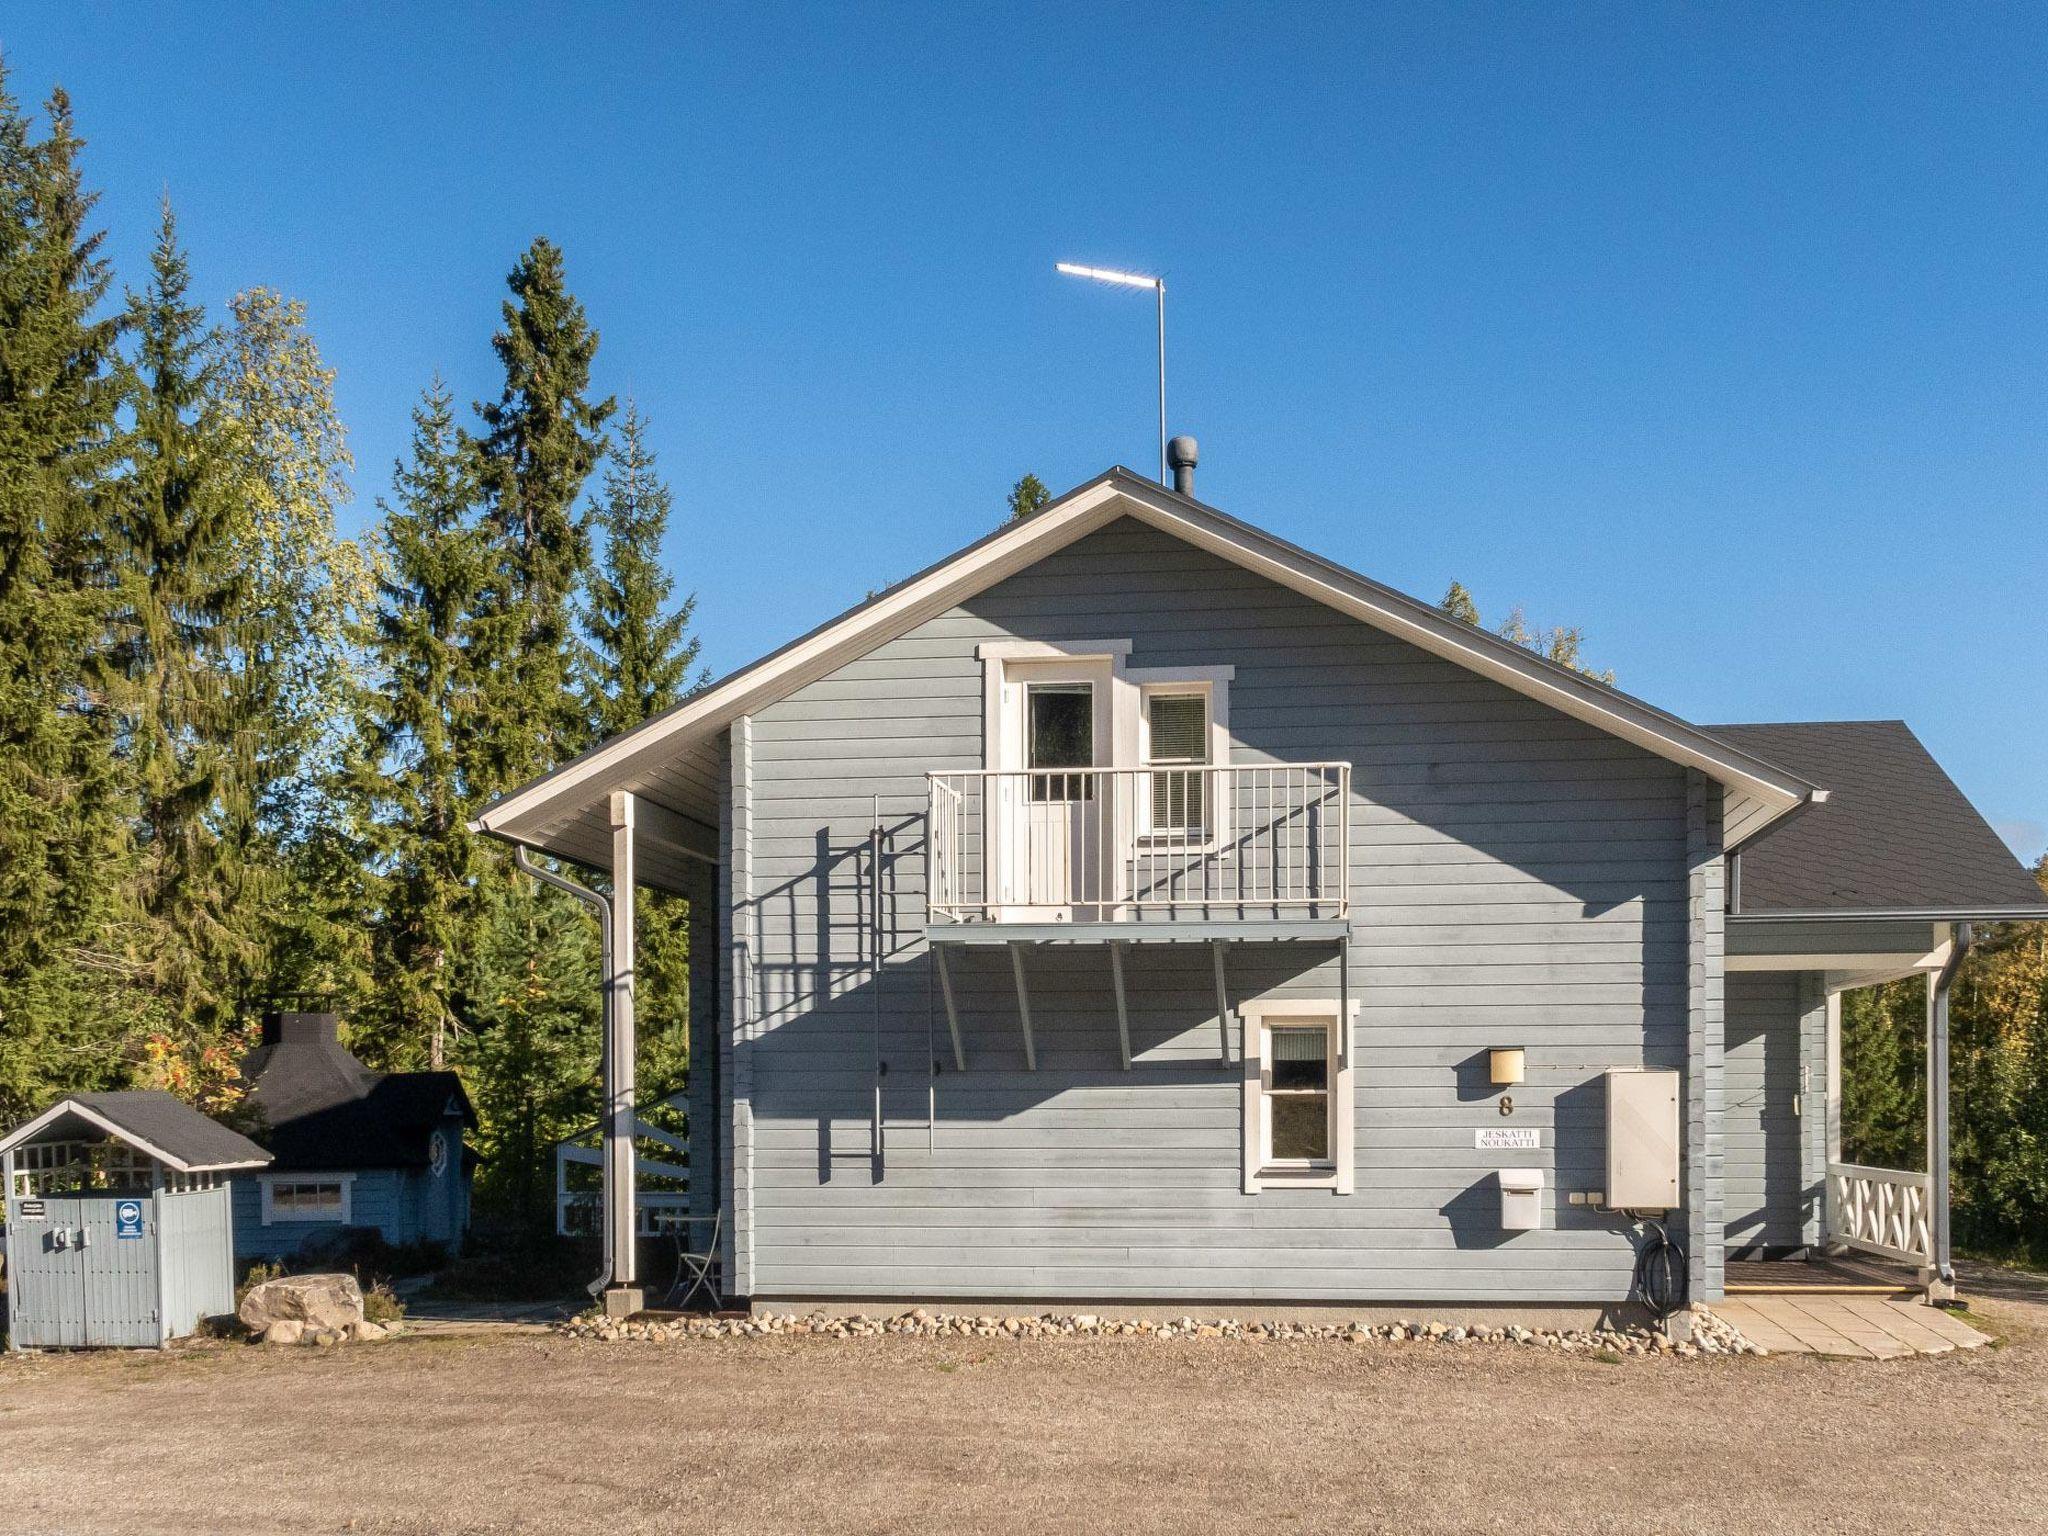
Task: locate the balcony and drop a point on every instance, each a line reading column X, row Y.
column 1101, row 854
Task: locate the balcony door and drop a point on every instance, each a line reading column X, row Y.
column 1052, row 808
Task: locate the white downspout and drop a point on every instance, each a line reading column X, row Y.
column 603, row 908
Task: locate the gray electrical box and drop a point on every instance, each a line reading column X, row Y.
column 1642, row 1139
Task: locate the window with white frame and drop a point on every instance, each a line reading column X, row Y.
column 1297, row 1098
column 1174, row 741
column 316, row 1197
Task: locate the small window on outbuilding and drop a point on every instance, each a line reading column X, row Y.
column 315, row 1198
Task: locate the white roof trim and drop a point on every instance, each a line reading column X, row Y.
column 524, row 812
column 26, row 1133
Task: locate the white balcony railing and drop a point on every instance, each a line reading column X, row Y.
column 1880, row 1210
column 1139, row 844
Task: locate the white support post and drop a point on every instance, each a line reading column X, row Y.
column 1939, row 1276
column 1024, row 1007
column 1222, row 1006
column 952, row 1008
column 1123, row 1012
column 1831, row 1222
column 622, row 1214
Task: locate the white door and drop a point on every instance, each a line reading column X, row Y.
column 1051, row 812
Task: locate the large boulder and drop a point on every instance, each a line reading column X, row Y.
column 330, row 1302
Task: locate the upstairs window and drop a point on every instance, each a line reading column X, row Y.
column 1060, row 734
column 1176, row 749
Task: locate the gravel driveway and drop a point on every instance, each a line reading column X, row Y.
column 518, row 1432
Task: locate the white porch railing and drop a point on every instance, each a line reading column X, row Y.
column 1880, row 1210
column 1139, row 844
column 661, row 1212
column 660, row 1208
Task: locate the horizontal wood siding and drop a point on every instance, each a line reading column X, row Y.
column 378, row 1198
column 1518, row 879
column 1767, row 1202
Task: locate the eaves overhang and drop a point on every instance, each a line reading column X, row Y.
column 529, row 814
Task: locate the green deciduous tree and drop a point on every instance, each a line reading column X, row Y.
column 1557, row 644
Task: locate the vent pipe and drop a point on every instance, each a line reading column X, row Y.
column 1181, row 456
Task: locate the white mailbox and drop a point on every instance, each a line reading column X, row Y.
column 1642, row 1139
column 1521, row 1199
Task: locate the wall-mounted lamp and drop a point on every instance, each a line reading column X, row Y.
column 1504, row 1067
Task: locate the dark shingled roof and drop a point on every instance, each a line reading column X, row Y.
column 158, row 1120
column 321, row 1108
column 1894, row 835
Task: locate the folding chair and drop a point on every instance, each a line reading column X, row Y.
column 694, row 1265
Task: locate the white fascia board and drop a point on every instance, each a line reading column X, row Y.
column 525, row 813
column 813, row 656
column 1477, row 652
column 92, row 1117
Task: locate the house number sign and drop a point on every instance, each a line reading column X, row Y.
column 1508, row 1141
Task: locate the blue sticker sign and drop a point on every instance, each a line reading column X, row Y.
column 128, row 1218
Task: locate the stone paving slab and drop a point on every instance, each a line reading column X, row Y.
column 1854, row 1327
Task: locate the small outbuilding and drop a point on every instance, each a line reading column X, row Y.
column 119, row 1221
column 352, row 1148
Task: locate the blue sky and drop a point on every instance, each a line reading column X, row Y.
column 1721, row 332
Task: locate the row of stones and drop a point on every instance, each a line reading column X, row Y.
column 1710, row 1335
column 289, row 1330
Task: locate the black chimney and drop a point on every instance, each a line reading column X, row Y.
column 1182, row 456
column 281, row 1027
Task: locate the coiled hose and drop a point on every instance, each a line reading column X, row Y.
column 1660, row 1272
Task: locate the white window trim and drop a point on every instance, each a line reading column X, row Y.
column 1340, row 1177
column 1213, row 684
column 271, row 1218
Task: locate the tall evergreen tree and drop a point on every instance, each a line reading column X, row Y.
column 543, row 436
column 1027, row 496
column 416, row 721
column 63, row 838
column 178, row 587
column 641, row 659
column 641, row 654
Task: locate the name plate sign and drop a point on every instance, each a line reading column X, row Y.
column 1528, row 1140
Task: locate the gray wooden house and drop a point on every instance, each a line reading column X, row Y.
column 1136, row 908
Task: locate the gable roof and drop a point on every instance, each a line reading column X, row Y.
column 152, row 1121
column 323, row 1109
column 1895, row 836
column 564, row 811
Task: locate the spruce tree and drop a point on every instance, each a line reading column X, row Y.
column 1027, row 496
column 543, row 436
column 177, row 588
column 641, row 659
column 641, row 654
column 63, row 844
column 415, row 721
